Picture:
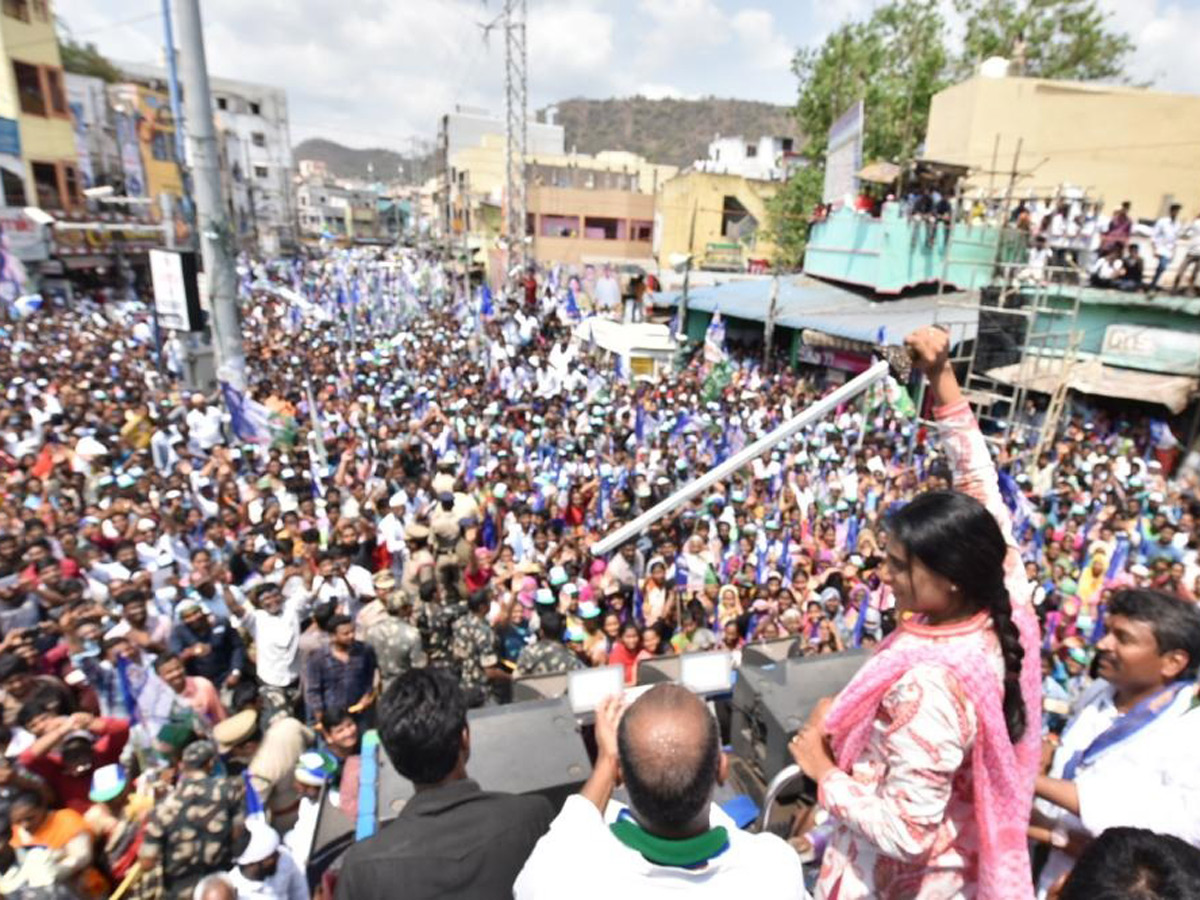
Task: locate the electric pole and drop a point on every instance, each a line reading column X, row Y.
column 216, row 239
column 516, row 133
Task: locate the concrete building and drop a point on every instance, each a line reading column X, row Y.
column 256, row 154
column 467, row 126
column 1117, row 143
column 767, row 159
column 729, row 213
column 576, row 226
column 145, row 132
column 38, row 164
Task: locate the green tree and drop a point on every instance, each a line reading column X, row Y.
column 894, row 62
column 1063, row 39
column 85, row 59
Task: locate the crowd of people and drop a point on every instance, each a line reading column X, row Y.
column 205, row 598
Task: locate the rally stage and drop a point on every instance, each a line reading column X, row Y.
column 542, row 742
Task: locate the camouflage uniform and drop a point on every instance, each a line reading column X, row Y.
column 397, row 646
column 545, row 657
column 193, row 831
column 475, row 649
column 434, row 621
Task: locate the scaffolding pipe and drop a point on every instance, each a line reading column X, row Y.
column 822, row 407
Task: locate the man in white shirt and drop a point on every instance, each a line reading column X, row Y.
column 266, row 871
column 1118, row 758
column 1163, row 239
column 204, row 425
column 275, row 628
column 672, row 839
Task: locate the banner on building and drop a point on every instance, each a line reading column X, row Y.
column 10, row 138
column 844, row 155
column 1151, row 349
column 21, row 236
column 131, row 156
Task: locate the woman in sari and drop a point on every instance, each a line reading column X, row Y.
column 926, row 760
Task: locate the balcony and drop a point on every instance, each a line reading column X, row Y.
column 892, row 253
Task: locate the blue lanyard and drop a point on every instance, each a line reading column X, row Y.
column 1125, row 727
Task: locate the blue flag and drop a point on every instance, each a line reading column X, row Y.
column 572, row 306
column 485, row 306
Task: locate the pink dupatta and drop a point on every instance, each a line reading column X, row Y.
column 1003, row 772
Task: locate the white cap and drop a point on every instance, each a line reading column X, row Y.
column 263, row 842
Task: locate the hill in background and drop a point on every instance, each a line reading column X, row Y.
column 677, row 132
column 376, row 163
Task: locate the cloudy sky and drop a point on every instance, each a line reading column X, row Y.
column 379, row 72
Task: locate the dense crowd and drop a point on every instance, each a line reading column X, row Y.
column 410, row 475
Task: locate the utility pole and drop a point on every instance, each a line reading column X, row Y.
column 516, row 132
column 687, row 272
column 769, row 328
column 176, row 108
column 215, row 236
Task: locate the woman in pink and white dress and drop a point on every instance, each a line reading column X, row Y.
column 926, row 760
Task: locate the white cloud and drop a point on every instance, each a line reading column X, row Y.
column 1166, row 35
column 375, row 72
column 761, row 39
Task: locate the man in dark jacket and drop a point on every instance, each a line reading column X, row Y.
column 452, row 839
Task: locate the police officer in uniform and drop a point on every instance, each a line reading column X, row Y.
column 395, row 640
column 547, row 654
column 434, row 620
column 444, row 524
column 477, row 651
column 195, row 829
column 418, row 568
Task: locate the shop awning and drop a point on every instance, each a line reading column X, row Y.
column 1094, row 377
column 879, row 172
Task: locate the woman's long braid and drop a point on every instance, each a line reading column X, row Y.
column 1014, row 656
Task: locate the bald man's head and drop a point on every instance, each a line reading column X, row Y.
column 670, row 757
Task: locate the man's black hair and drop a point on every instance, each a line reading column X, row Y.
column 335, row 716
column 45, row 701
column 1175, row 622
column 162, row 659
column 550, row 623
column 10, row 665
column 1135, row 864
column 422, row 717
column 336, row 621
column 479, row 600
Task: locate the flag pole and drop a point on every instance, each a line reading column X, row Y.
column 822, row 407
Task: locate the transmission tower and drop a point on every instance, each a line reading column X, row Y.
column 516, row 132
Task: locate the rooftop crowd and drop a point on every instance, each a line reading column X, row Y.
column 202, row 612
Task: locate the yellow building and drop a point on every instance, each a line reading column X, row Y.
column 577, row 226
column 1117, row 143
column 149, row 111
column 730, row 212
column 32, row 94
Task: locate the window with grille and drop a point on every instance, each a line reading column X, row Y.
column 17, row 9
column 54, row 87
column 29, row 89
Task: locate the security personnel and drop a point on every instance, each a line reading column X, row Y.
column 395, row 640
column 443, row 523
column 477, row 651
column 418, row 568
column 434, row 620
column 547, row 654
